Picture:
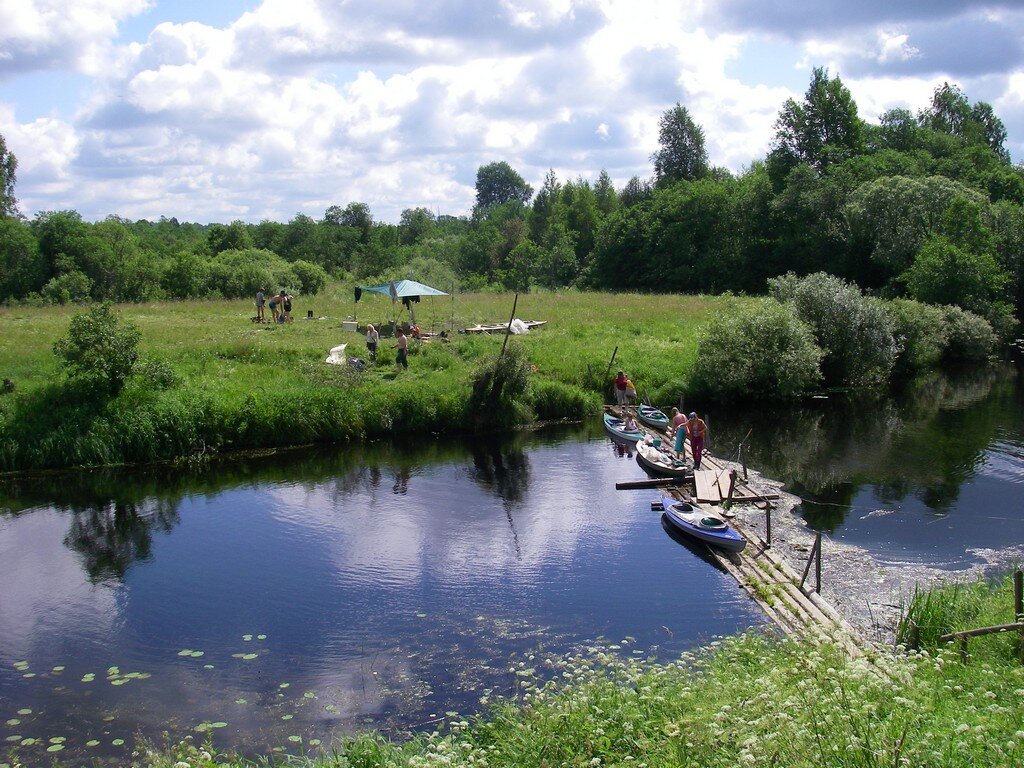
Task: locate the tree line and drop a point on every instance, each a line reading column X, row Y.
column 926, row 206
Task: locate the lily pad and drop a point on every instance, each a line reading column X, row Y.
column 58, row 669
column 21, row 666
column 55, row 748
column 88, row 677
column 249, row 656
column 14, row 737
column 315, row 742
column 197, row 654
column 13, row 721
column 29, row 675
column 58, row 739
column 186, row 652
column 309, row 695
column 117, row 742
column 219, row 724
column 25, row 711
column 241, row 701
column 284, row 685
column 287, row 717
column 118, row 681
column 295, row 739
column 92, row 743
column 208, row 666
column 247, row 638
column 261, row 637
column 113, row 670
column 29, row 742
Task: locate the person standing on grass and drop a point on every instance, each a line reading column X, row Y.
column 372, row 340
column 286, row 305
column 698, row 431
column 275, row 308
column 403, row 349
column 261, row 299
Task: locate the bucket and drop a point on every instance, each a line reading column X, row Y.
column 657, row 442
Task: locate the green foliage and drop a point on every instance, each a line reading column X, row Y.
column 497, row 184
column 919, row 331
column 759, row 351
column 552, row 400
column 854, row 332
column 71, row 287
column 682, row 156
column 943, row 273
column 100, row 348
column 237, row 274
column 969, row 338
column 8, row 169
column 500, row 389
column 311, row 277
column 22, row 267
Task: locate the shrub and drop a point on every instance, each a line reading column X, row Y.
column 157, row 374
column 760, row 351
column 68, row 288
column 854, row 332
column 312, row 277
column 555, row 400
column 98, row 347
column 498, row 387
column 969, row 338
column 920, row 334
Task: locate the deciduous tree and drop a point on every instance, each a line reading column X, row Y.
column 682, row 155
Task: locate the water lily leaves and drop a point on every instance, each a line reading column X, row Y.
column 261, row 637
column 241, row 701
column 117, row 742
column 58, row 669
column 249, row 656
column 14, row 737
column 295, row 739
column 284, row 685
column 88, row 677
column 197, row 654
column 92, row 743
column 25, row 711
column 29, row 742
column 55, row 748
column 421, row 615
column 58, row 739
column 287, row 717
column 29, row 675
column 21, row 666
column 208, row 666
column 113, row 671
column 118, row 681
column 247, row 638
column 186, row 652
column 309, row 695
column 219, row 724
column 13, row 721
column 315, row 742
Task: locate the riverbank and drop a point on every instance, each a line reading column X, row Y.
column 211, row 381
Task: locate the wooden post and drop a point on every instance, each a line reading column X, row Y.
column 508, row 330
column 609, row 369
column 1018, row 595
column 963, row 649
column 817, row 565
column 768, row 525
column 732, row 486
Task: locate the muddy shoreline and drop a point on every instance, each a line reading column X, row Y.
column 866, row 589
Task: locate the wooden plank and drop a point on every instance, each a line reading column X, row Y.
column 707, row 489
column 661, row 482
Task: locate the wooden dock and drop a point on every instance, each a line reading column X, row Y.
column 769, row 580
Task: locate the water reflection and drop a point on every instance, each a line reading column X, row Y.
column 915, row 455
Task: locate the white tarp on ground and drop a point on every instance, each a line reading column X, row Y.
column 337, row 355
column 517, row 326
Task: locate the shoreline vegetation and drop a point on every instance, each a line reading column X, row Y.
column 204, row 380
column 745, row 700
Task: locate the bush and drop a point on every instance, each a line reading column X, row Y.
column 312, row 277
column 555, row 400
column 69, row 288
column 854, row 332
column 920, row 334
column 98, row 348
column 969, row 338
column 759, row 351
column 498, row 388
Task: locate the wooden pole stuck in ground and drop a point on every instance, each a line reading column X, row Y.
column 1018, row 595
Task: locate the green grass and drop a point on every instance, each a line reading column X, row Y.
column 747, row 700
column 242, row 386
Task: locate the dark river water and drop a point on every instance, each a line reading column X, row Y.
column 275, row 603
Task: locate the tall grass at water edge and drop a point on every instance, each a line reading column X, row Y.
column 747, row 700
column 239, row 385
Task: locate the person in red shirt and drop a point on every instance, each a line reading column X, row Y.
column 698, row 432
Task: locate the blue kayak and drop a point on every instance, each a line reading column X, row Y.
column 696, row 522
column 616, row 427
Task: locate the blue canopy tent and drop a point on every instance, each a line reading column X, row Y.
column 406, row 291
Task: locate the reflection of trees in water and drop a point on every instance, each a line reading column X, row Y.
column 501, row 467
column 928, row 441
column 111, row 535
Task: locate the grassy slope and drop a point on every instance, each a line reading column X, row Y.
column 243, row 385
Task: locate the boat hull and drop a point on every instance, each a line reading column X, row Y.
column 657, row 463
column 652, row 417
column 691, row 520
column 614, row 426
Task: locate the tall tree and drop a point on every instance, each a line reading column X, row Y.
column 682, row 155
column 8, row 166
column 821, row 130
column 604, row 191
column 497, row 184
column 543, row 208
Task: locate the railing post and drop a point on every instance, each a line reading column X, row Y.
column 817, row 565
column 1018, row 595
column 963, row 649
column 743, row 460
column 768, row 525
column 732, row 486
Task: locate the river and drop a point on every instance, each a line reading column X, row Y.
column 274, row 603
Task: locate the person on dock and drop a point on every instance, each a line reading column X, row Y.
column 698, row 432
column 620, row 389
column 403, row 349
column 677, row 429
column 372, row 340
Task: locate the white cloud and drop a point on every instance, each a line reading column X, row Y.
column 52, row 34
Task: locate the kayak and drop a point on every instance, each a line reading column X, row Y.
column 616, row 427
column 696, row 522
column 659, row 462
column 652, row 417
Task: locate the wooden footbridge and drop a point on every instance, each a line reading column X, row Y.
column 772, row 583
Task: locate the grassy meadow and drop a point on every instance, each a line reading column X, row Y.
column 238, row 385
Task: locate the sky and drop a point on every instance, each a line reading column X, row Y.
column 217, row 110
